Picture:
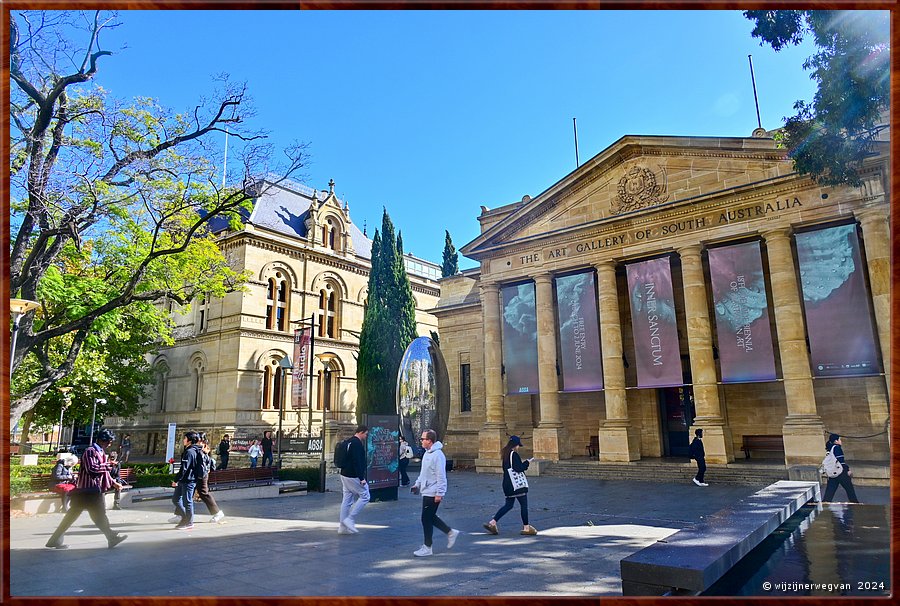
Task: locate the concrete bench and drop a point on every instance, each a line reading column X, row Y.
column 691, row 560
column 762, row 444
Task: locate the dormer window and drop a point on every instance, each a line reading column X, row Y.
column 329, row 234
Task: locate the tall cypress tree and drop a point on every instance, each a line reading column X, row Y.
column 389, row 324
column 450, row 267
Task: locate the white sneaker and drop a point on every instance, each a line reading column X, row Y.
column 423, row 551
column 451, row 538
column 697, row 482
column 703, row 484
column 343, row 529
column 175, row 520
column 350, row 525
column 218, row 516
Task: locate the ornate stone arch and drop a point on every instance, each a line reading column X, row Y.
column 335, row 278
column 161, row 370
column 329, row 369
column 197, row 367
column 267, row 270
column 362, row 295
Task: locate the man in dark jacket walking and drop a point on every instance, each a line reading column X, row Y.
column 267, row 445
column 186, row 481
column 697, row 453
column 224, row 447
column 93, row 480
column 353, row 481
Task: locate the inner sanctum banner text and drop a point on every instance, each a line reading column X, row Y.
column 579, row 334
column 836, row 303
column 520, row 339
column 653, row 323
column 742, row 314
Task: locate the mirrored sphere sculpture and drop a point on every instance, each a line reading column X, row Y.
column 423, row 392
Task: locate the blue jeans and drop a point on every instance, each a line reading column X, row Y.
column 253, row 462
column 267, row 456
column 184, row 501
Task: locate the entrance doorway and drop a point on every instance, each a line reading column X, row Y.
column 676, row 407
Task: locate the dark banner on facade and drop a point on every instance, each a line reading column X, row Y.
column 579, row 335
column 302, row 445
column 742, row 313
column 302, row 341
column 520, row 339
column 383, row 451
column 836, row 303
column 653, row 323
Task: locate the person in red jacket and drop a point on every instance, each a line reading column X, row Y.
column 94, row 479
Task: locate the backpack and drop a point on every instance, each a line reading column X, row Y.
column 831, row 467
column 341, row 454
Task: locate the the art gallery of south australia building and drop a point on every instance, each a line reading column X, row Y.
column 675, row 283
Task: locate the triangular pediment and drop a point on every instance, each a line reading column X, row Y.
column 634, row 176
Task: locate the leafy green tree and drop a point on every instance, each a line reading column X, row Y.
column 111, row 203
column 389, row 324
column 450, row 266
column 830, row 138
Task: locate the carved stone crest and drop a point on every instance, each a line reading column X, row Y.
column 637, row 189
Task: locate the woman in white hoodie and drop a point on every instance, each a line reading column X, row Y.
column 432, row 485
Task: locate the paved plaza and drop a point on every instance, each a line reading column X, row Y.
column 289, row 546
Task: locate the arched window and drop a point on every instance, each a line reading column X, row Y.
column 202, row 314
column 329, row 383
column 328, row 312
column 278, row 290
column 162, row 384
column 197, row 368
column 273, row 384
column 329, row 234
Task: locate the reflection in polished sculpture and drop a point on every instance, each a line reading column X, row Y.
column 423, row 391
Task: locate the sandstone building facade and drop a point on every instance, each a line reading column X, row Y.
column 306, row 259
column 672, row 208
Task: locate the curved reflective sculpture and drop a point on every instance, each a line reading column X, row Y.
column 423, row 392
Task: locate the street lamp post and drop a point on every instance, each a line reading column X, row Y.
column 94, row 416
column 285, row 364
column 66, row 399
column 18, row 308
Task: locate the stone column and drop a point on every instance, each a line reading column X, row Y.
column 803, row 429
column 877, row 240
column 549, row 435
column 619, row 440
column 492, row 436
column 716, row 435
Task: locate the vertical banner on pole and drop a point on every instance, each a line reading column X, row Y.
column 742, row 315
column 653, row 323
column 520, row 339
column 170, row 442
column 302, row 338
column 579, row 334
column 836, row 303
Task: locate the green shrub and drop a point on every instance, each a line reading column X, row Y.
column 19, row 485
column 145, row 480
column 310, row 475
column 25, row 471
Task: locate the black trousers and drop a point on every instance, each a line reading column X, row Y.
column 701, row 469
column 510, row 502
column 430, row 520
column 93, row 503
column 842, row 480
column 404, row 478
column 223, row 462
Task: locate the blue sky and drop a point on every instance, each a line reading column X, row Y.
column 435, row 113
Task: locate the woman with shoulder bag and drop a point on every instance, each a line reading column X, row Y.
column 406, row 454
column 512, row 461
column 834, row 442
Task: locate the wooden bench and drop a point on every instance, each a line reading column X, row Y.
column 44, row 482
column 762, row 443
column 241, row 477
column 594, row 447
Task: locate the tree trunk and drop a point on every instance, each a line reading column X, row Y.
column 26, row 427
